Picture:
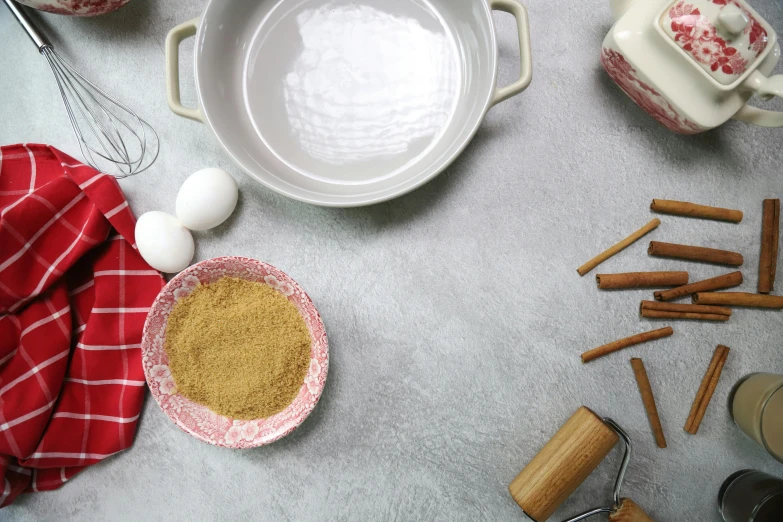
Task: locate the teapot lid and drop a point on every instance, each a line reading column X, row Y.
column 725, row 38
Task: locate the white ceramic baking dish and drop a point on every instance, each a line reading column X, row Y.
column 345, row 103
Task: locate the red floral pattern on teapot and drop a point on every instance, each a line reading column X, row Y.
column 756, row 33
column 653, row 103
column 696, row 35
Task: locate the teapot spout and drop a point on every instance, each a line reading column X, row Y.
column 619, row 7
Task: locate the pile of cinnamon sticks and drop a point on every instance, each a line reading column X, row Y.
column 707, row 303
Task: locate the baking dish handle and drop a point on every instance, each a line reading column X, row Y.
column 174, row 38
column 516, row 8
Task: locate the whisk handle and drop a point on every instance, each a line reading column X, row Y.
column 32, row 31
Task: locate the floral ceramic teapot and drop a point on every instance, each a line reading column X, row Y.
column 694, row 64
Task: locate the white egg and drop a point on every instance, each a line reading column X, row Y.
column 206, row 199
column 163, row 242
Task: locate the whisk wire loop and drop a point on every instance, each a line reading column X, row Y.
column 116, row 140
column 114, row 135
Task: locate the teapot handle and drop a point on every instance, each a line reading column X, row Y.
column 766, row 88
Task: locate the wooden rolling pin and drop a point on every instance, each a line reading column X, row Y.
column 564, row 463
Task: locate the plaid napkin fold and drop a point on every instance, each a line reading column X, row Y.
column 74, row 294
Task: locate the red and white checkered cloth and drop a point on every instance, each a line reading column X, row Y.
column 74, row 295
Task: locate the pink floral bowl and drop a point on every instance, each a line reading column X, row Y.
column 198, row 420
column 76, row 7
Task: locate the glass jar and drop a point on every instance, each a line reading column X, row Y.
column 756, row 405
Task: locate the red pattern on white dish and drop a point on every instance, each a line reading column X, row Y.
column 198, row 420
column 76, row 7
column 644, row 95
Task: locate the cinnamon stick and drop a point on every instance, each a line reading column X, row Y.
column 606, row 349
column 649, row 400
column 679, row 307
column 681, row 208
column 695, row 253
column 641, row 280
column 603, row 256
column 738, row 299
column 705, row 381
column 659, row 314
column 706, row 389
column 714, row 283
column 768, row 260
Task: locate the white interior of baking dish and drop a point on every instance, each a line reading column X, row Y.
column 341, row 102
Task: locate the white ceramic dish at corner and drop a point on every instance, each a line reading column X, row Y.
column 345, row 102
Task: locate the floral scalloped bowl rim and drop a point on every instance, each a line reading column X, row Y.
column 198, row 420
column 75, row 7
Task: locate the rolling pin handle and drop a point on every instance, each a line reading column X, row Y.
column 626, row 459
column 629, row 511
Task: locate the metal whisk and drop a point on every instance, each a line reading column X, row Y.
column 113, row 139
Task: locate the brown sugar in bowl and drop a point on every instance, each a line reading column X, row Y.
column 198, row 420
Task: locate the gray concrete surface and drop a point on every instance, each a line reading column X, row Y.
column 455, row 314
